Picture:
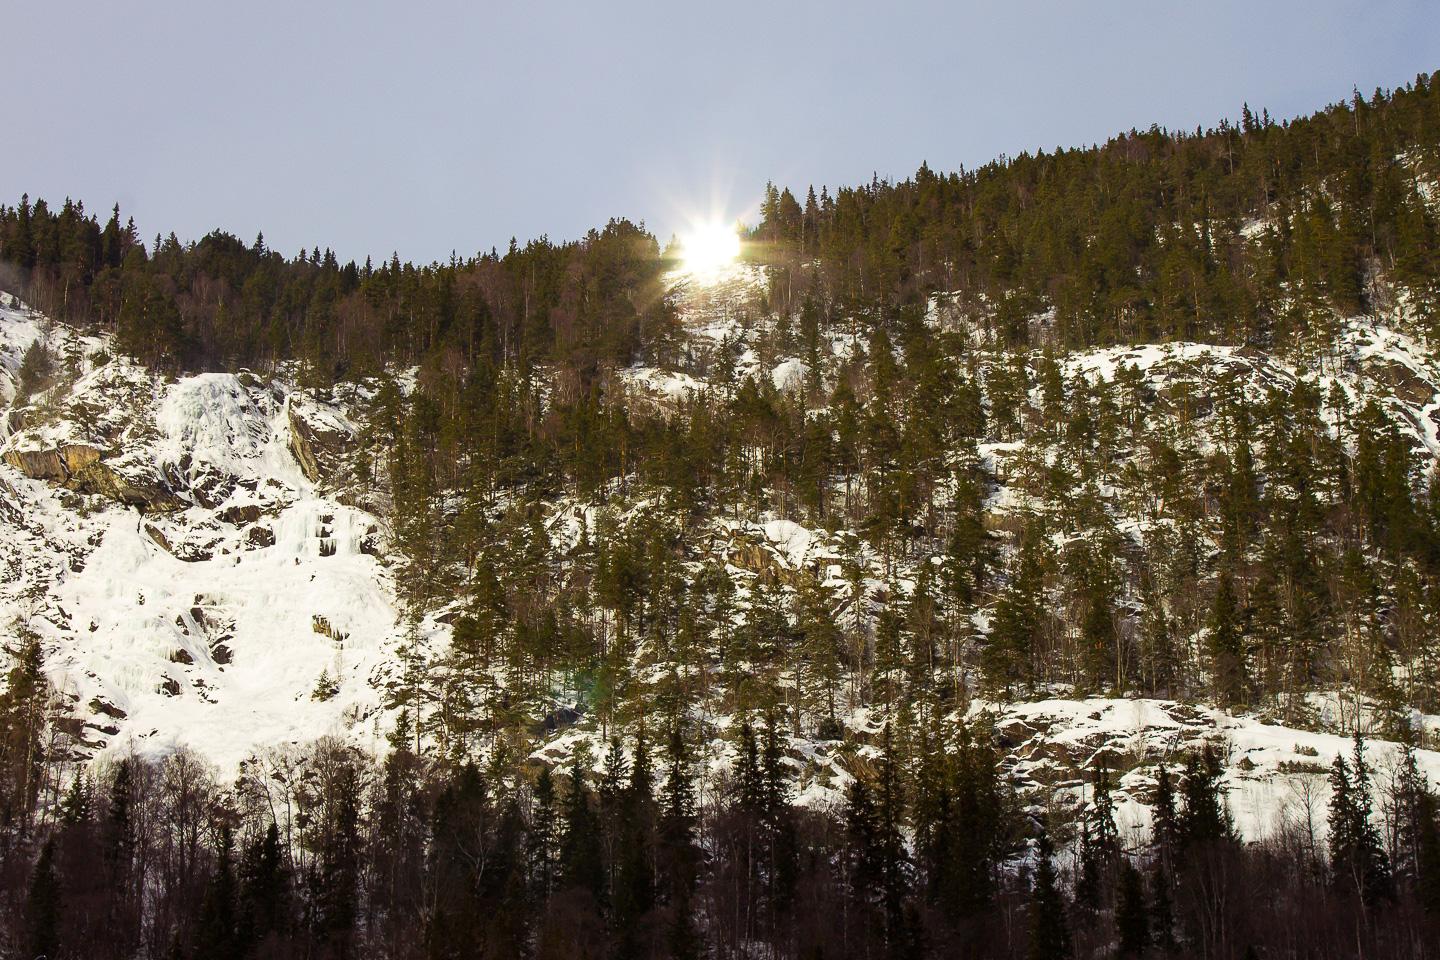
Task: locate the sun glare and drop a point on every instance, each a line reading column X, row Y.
column 709, row 247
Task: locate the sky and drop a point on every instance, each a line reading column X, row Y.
column 436, row 127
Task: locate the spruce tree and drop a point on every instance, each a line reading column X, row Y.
column 1204, row 821
column 43, row 906
column 543, row 836
column 1357, row 856
column 1049, row 933
column 1165, row 834
column 217, row 935
column 264, row 889
column 679, row 854
column 1227, row 645
column 1132, row 919
column 582, row 864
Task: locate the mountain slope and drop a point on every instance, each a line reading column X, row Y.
column 188, row 582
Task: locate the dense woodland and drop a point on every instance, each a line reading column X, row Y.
column 1291, row 546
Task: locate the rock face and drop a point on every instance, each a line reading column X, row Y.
column 99, row 478
column 57, row 464
column 318, row 439
column 82, row 468
column 195, row 622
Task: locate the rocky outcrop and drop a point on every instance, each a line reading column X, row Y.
column 149, row 497
column 317, row 439
column 240, row 515
column 1404, row 383
column 82, row 468
column 56, row 464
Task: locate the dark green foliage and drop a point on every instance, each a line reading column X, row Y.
column 43, row 906
column 1132, row 916
column 1204, row 821
column 264, row 889
column 36, row 368
column 218, row 935
column 1049, row 931
column 1357, row 856
column 581, row 863
column 1227, row 646
column 22, row 722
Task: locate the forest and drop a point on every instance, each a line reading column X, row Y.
column 1007, row 524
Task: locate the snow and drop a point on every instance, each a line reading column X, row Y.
column 790, row 539
column 218, row 641
column 133, row 604
column 137, row 635
column 655, row 383
column 789, row 375
column 212, row 422
column 1270, row 770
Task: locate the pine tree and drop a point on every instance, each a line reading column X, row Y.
column 217, row 934
column 1049, row 933
column 1413, row 803
column 1357, row 856
column 862, row 834
column 1102, row 815
column 1227, row 645
column 1205, row 820
column 543, row 837
column 340, row 862
column 635, row 880
column 782, row 844
column 22, row 722
column 679, row 854
column 892, row 859
column 43, row 906
column 582, row 865
column 1009, row 657
column 1427, row 885
column 1165, row 835
column 1132, row 919
column 264, row 889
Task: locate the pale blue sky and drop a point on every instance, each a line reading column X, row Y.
column 427, row 127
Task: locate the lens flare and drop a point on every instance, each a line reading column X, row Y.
column 708, row 248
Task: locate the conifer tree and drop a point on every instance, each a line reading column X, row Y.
column 218, row 935
column 264, row 889
column 678, row 850
column 22, row 721
column 1227, row 647
column 544, row 835
column 1049, row 932
column 581, row 862
column 1357, row 856
column 1132, row 919
column 1204, row 820
column 1165, row 834
column 43, row 907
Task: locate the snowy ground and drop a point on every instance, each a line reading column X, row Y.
column 257, row 614
column 250, row 617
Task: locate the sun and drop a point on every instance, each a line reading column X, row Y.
column 708, row 248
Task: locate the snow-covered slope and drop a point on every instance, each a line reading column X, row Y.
column 193, row 578
column 188, row 582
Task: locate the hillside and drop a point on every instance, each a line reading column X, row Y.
column 1050, row 550
column 157, row 527
column 187, row 580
